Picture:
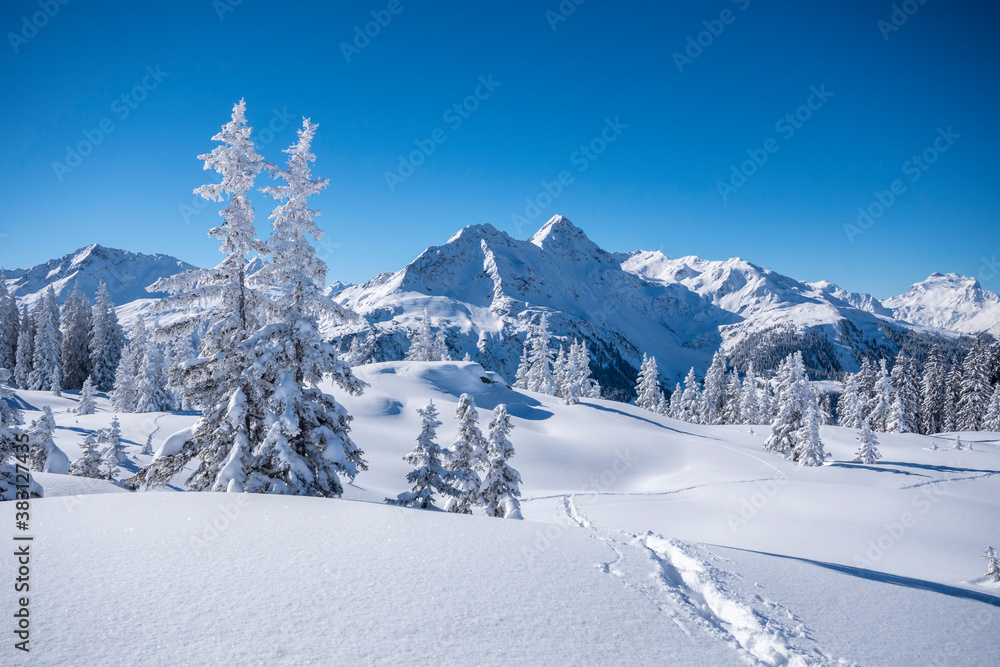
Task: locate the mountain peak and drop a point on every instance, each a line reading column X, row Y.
column 561, row 236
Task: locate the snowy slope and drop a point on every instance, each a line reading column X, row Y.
column 646, row 541
column 949, row 301
column 126, row 273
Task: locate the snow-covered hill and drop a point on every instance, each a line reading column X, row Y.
column 127, row 274
column 646, row 541
column 949, row 301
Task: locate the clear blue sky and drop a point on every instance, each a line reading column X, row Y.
column 654, row 187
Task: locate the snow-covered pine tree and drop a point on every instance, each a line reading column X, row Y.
column 958, row 443
column 562, row 378
column 952, row 395
column 647, row 388
column 89, row 464
column 428, row 475
column 106, row 342
column 896, row 422
column 306, row 445
column 151, row 393
column 992, row 420
column 992, row 565
column 125, row 395
column 12, row 443
column 219, row 380
column 86, row 405
column 77, row 326
column 933, row 393
column 538, row 377
column 441, row 352
column 975, row 390
column 40, row 433
column 809, row 448
column 884, row 396
column 422, row 342
column 911, row 396
column 113, row 436
column 868, row 451
column 750, row 412
column 676, row 409
column 731, row 403
column 25, row 355
column 796, row 427
column 691, row 402
column 465, row 457
column 521, row 376
column 866, row 388
column 47, row 362
column 714, row 395
column 147, row 447
column 580, row 358
column 10, row 326
column 499, row 490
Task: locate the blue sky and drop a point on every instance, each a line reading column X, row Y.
column 681, row 127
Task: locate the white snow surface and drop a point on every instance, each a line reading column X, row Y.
column 645, row 541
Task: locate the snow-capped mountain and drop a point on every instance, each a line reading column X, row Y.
column 486, row 288
column 949, row 301
column 126, row 273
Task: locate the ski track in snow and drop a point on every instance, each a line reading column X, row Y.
column 697, row 595
column 949, row 480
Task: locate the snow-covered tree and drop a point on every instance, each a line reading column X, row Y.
column 992, row 420
column 441, row 352
column 952, row 396
column 466, row 457
column 714, row 395
column 750, row 412
column 992, row 565
column 13, row 444
column 151, row 393
column 579, row 359
column 224, row 305
column 113, row 437
column 537, row 357
column 884, row 396
column 795, row 431
column 907, row 383
column 77, row 326
column 562, row 379
column 47, row 363
column 975, row 390
column 89, row 464
column 521, row 375
column 428, row 475
column 422, row 341
column 933, row 393
column 866, row 379
column 896, row 422
column 125, row 395
column 676, row 408
column 86, row 405
column 868, row 451
column 40, row 433
column 958, row 445
column 25, row 355
column 10, row 325
column 306, row 444
column 731, row 403
column 106, row 342
column 500, row 489
column 691, row 402
column 647, row 389
column 147, row 447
